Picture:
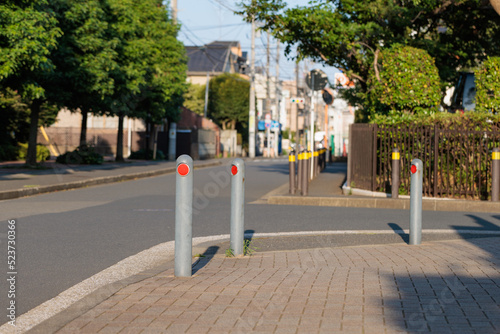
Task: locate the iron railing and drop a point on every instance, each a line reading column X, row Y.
column 457, row 161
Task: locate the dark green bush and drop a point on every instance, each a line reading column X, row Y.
column 83, row 155
column 42, row 153
column 488, row 85
column 409, row 82
column 141, row 155
column 8, row 152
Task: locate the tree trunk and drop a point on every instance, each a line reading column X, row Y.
column 233, row 125
column 148, row 135
column 119, row 140
column 83, row 132
column 35, row 112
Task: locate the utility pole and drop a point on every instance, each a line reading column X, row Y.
column 251, row 118
column 268, row 94
column 206, row 96
column 297, row 133
column 278, row 96
column 174, row 11
column 268, row 82
column 172, row 134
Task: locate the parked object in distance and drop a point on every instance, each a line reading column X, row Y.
column 464, row 96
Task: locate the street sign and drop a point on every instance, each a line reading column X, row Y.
column 319, row 78
column 297, row 100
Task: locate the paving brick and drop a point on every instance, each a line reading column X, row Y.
column 443, row 287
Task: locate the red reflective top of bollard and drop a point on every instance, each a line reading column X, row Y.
column 234, row 170
column 413, row 169
column 183, row 169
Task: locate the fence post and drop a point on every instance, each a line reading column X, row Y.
column 395, row 173
column 300, row 173
column 291, row 171
column 416, row 202
column 316, row 163
column 305, row 173
column 374, row 157
column 237, row 206
column 184, row 216
column 495, row 174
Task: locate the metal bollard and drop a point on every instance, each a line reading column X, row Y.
column 299, row 172
column 305, row 173
column 184, row 216
column 416, row 202
column 309, row 162
column 291, row 171
column 237, row 206
column 395, row 173
column 495, row 174
column 316, row 163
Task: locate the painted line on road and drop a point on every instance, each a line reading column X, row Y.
column 154, row 257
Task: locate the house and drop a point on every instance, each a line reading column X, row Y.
column 211, row 60
column 214, row 59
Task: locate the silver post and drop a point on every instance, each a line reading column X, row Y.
column 416, row 202
column 237, row 206
column 184, row 216
column 495, row 174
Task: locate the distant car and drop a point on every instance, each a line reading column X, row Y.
column 464, row 96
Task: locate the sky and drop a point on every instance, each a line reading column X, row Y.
column 204, row 21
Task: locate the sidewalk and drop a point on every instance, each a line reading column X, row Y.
column 361, row 283
column 18, row 182
column 325, row 190
column 437, row 287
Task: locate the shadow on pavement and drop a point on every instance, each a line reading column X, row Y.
column 205, row 258
column 399, row 231
column 460, row 293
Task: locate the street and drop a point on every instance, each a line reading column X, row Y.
column 66, row 237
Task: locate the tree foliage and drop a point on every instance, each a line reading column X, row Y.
column 405, row 79
column 28, row 35
column 194, row 98
column 151, row 73
column 487, row 78
column 229, row 100
column 349, row 34
column 84, row 59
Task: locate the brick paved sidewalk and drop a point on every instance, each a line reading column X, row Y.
column 441, row 287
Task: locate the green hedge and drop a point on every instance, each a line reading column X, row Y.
column 409, row 82
column 488, row 86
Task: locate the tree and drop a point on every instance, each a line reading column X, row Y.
column 84, row 59
column 150, row 78
column 487, row 78
column 405, row 80
column 350, row 34
column 229, row 100
column 28, row 34
column 194, row 98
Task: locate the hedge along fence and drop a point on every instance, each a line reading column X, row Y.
column 487, row 79
column 455, row 150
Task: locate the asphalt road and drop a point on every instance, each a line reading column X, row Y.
column 66, row 237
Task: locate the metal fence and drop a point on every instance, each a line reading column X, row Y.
column 457, row 161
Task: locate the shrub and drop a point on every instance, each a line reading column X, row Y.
column 42, row 153
column 84, row 155
column 8, row 152
column 141, row 155
column 487, row 78
column 409, row 82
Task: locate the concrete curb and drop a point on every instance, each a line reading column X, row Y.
column 11, row 194
column 387, row 203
